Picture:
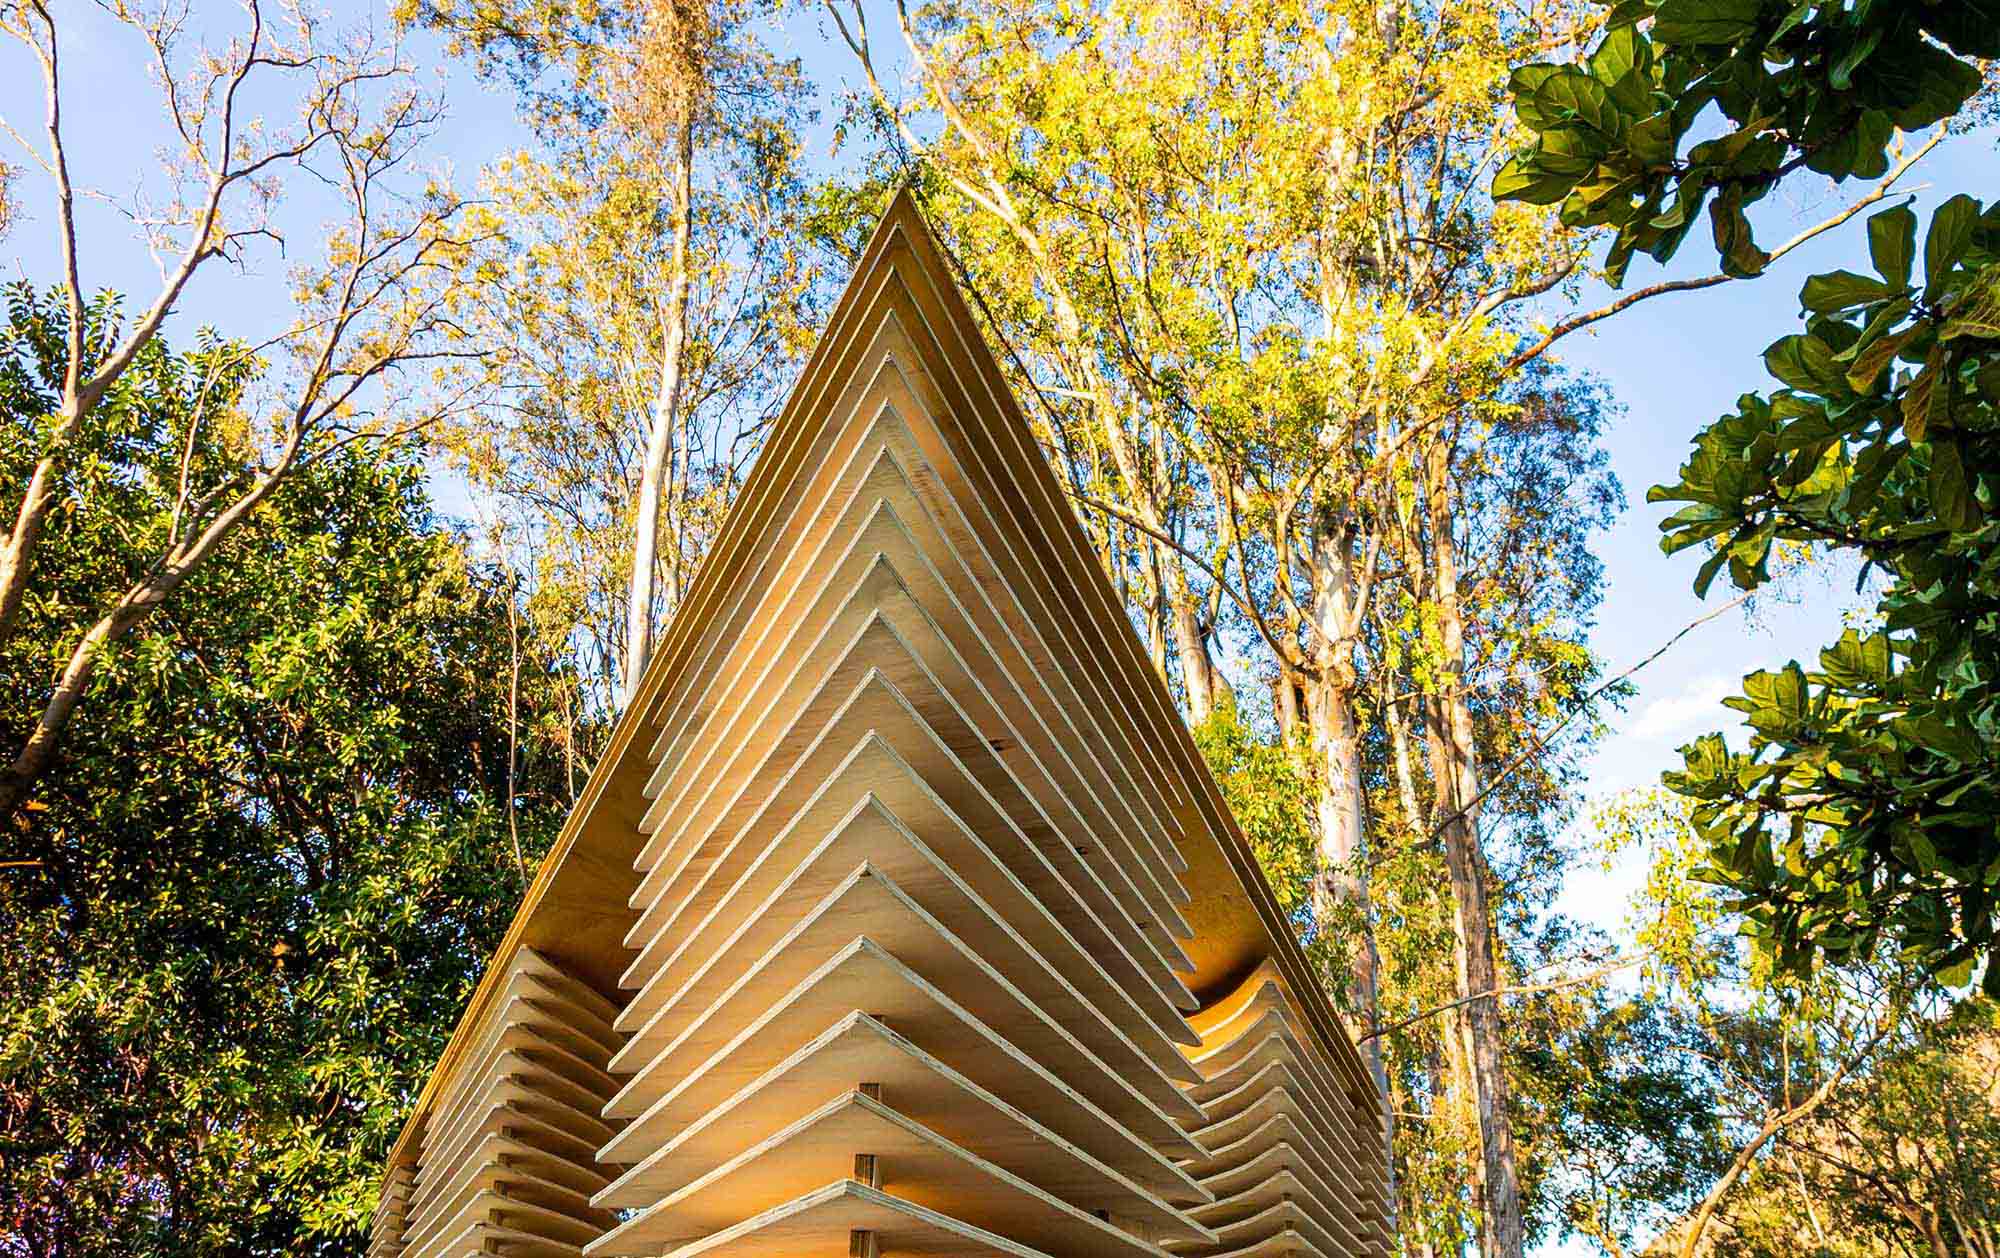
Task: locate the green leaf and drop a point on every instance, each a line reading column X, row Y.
column 1777, row 699
column 1705, row 575
column 1868, row 364
column 1923, row 853
column 1841, row 290
column 1976, row 313
column 1860, row 150
column 1622, row 52
column 1568, row 151
column 1855, row 662
column 1523, row 84
column 1988, row 380
column 1941, row 737
column 1887, row 315
column 1572, row 94
column 1652, row 139
column 1733, row 240
column 1842, row 75
column 1922, row 400
column 1951, row 495
column 1970, row 28
column 1892, row 237
column 1521, row 180
column 1921, row 84
column 1705, row 21
column 1804, row 362
column 1945, row 243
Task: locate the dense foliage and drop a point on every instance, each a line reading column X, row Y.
column 1906, row 1161
column 1800, row 83
column 241, row 911
column 1867, row 801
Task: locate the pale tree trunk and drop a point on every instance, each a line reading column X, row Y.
column 1457, row 776
column 653, row 473
column 1339, row 806
column 132, row 609
column 1206, row 687
column 1399, row 746
column 1202, row 682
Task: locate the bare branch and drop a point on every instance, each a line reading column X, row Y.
column 1528, row 989
column 1539, row 743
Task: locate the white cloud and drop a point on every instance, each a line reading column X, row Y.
column 1696, row 709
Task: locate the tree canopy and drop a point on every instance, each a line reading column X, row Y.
column 240, row 914
column 1864, row 804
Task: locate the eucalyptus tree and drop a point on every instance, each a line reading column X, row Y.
column 644, row 291
column 1785, row 1056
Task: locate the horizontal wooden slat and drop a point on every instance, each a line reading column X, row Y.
column 868, row 903
column 915, row 1164
column 912, row 863
column 860, row 1051
column 863, row 975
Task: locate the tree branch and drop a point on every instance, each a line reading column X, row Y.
column 1574, row 980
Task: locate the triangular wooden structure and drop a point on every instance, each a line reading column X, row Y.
column 902, row 915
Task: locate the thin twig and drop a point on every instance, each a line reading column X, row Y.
column 1577, row 322
column 1574, row 980
column 1242, row 604
column 1540, row 742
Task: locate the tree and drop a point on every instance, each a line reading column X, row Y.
column 241, row 912
column 1863, row 807
column 643, row 290
column 1908, row 1160
column 369, row 313
column 1778, row 1053
column 1821, row 87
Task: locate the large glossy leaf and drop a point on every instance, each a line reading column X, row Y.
column 1841, row 290
column 1945, row 243
column 1892, row 239
column 1705, row 21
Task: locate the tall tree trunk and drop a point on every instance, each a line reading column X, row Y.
column 1406, row 786
column 1457, row 777
column 1204, row 683
column 1339, row 807
column 665, row 419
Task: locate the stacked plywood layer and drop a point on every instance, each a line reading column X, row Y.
column 508, row 1161
column 913, row 894
column 385, row 1233
column 1293, row 1152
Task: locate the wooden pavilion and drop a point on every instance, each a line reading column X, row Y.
column 902, row 915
